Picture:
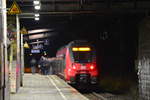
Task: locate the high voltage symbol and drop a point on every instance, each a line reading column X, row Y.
column 15, row 9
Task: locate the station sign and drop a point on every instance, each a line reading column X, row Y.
column 15, row 9
column 35, row 51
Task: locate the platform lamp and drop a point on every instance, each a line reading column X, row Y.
column 26, row 45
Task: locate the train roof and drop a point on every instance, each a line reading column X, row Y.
column 78, row 43
column 62, row 47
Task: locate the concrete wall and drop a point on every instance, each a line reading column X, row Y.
column 144, row 59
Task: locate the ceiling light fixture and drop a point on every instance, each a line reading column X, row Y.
column 36, row 2
column 37, row 15
column 37, row 18
column 38, row 31
column 37, row 7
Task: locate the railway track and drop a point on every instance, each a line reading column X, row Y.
column 106, row 96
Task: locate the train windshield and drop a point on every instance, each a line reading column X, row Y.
column 82, row 57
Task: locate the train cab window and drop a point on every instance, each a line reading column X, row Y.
column 82, row 57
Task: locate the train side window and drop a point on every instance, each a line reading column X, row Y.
column 63, row 56
column 64, row 61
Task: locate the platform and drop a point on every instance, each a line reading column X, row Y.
column 50, row 87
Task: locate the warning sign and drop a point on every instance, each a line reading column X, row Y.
column 24, row 31
column 15, row 9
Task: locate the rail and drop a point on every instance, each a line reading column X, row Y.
column 107, row 96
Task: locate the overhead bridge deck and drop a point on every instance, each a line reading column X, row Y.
column 50, row 87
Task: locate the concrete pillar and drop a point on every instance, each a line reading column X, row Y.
column 6, row 69
column 11, row 21
column 144, row 60
column 4, row 77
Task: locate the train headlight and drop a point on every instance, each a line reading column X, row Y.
column 69, row 70
column 92, row 67
column 74, row 67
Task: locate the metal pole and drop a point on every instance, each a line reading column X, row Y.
column 22, row 60
column 1, row 64
column 18, row 53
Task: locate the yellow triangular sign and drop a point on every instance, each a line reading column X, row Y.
column 15, row 9
column 24, row 31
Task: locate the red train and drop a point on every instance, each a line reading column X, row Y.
column 79, row 62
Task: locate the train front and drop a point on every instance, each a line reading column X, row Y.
column 84, row 69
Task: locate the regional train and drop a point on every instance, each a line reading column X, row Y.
column 79, row 62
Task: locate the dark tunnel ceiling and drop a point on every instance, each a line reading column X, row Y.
column 61, row 7
column 75, row 27
column 56, row 13
column 59, row 11
column 67, row 24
